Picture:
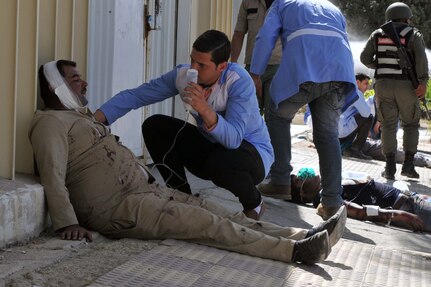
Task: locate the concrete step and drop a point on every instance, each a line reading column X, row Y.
column 23, row 212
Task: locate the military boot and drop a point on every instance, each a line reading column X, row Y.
column 408, row 168
column 391, row 167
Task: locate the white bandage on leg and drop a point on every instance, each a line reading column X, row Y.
column 372, row 210
column 66, row 96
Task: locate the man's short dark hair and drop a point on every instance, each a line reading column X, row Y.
column 48, row 96
column 215, row 42
column 361, row 76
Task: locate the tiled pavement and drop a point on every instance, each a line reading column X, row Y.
column 368, row 255
column 351, row 263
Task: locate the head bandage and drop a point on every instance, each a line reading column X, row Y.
column 67, row 97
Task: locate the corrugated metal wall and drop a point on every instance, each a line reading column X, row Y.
column 221, row 15
column 213, row 14
column 37, row 31
column 160, row 49
column 33, row 32
column 116, row 60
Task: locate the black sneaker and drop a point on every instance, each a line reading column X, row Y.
column 313, row 249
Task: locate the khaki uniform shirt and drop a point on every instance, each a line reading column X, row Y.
column 250, row 18
column 84, row 170
column 67, row 143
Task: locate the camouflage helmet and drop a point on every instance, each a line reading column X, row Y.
column 398, row 10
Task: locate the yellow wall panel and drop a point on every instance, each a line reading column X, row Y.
column 63, row 33
column 26, row 77
column 8, row 18
column 45, row 35
column 201, row 18
column 80, row 35
column 221, row 15
column 211, row 14
column 33, row 33
column 46, row 30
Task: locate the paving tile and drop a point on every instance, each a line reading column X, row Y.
column 350, row 264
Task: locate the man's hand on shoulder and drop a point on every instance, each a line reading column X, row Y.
column 100, row 117
column 75, row 232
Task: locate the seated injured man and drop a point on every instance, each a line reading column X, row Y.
column 366, row 199
column 92, row 182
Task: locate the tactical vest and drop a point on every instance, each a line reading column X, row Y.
column 387, row 57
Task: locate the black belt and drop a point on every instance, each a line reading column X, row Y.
column 393, row 76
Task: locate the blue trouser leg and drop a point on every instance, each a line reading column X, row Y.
column 325, row 100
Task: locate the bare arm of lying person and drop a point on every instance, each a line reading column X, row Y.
column 359, row 212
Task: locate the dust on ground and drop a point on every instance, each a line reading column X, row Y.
column 49, row 261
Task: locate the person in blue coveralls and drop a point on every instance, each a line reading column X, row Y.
column 316, row 68
column 229, row 144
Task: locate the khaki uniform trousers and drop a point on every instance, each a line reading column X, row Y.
column 396, row 100
column 161, row 213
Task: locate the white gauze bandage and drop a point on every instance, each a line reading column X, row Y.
column 372, row 210
column 61, row 88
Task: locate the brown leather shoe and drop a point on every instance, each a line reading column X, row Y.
column 251, row 213
column 326, row 212
column 275, row 190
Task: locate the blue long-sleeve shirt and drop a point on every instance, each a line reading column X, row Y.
column 233, row 98
column 315, row 46
column 347, row 123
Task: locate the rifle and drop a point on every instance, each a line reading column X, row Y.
column 404, row 61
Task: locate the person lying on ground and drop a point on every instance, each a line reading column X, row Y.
column 367, row 199
column 92, row 182
column 373, row 148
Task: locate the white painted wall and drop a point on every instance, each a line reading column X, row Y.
column 116, row 60
column 160, row 48
column 120, row 58
column 184, row 45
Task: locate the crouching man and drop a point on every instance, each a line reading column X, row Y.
column 92, row 182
